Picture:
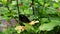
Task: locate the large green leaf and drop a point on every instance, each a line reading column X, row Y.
column 49, row 26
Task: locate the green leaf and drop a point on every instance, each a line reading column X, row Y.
column 49, row 26
column 44, row 20
column 32, row 17
column 14, row 3
column 55, row 5
column 29, row 27
column 4, row 1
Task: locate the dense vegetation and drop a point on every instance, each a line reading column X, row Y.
column 47, row 12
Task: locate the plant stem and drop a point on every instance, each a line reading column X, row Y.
column 18, row 10
column 33, row 7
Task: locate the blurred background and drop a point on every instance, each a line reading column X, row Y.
column 47, row 12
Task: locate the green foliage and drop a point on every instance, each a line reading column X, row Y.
column 29, row 27
column 45, row 11
column 49, row 26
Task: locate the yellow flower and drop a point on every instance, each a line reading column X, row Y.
column 20, row 28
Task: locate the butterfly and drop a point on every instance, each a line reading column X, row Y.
column 25, row 19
